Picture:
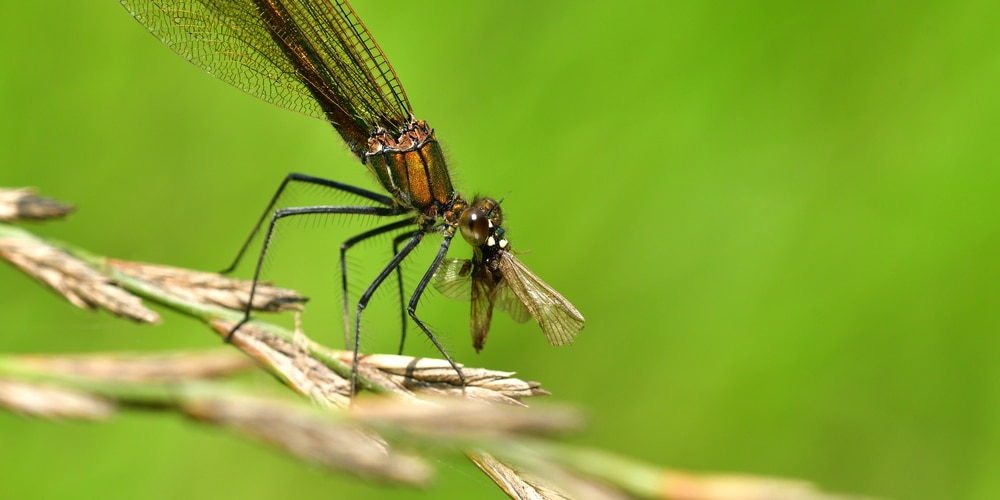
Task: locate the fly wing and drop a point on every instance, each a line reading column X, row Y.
column 453, row 279
column 506, row 300
column 461, row 279
column 558, row 318
column 481, row 312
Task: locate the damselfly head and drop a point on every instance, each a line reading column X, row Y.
column 481, row 224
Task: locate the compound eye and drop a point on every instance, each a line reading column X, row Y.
column 475, row 226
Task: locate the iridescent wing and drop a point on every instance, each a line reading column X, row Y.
column 311, row 56
column 558, row 318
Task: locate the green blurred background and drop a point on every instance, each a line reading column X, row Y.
column 779, row 218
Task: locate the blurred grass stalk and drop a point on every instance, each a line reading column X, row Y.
column 330, row 429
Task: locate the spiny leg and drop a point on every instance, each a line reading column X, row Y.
column 295, row 211
column 346, row 245
column 365, row 297
column 304, row 179
column 419, row 291
column 402, row 295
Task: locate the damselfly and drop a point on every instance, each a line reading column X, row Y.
column 316, row 57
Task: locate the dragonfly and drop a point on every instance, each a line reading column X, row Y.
column 316, row 57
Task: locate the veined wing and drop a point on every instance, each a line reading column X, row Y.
column 311, row 56
column 453, row 279
column 461, row 279
column 558, row 318
column 506, row 300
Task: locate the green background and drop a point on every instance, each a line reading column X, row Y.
column 779, row 218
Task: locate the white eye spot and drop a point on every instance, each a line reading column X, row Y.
column 503, row 243
column 491, row 223
column 490, row 241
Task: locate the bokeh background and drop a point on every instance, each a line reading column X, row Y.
column 779, row 218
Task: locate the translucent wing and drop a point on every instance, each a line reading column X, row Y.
column 558, row 318
column 454, row 279
column 310, row 56
column 505, row 300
